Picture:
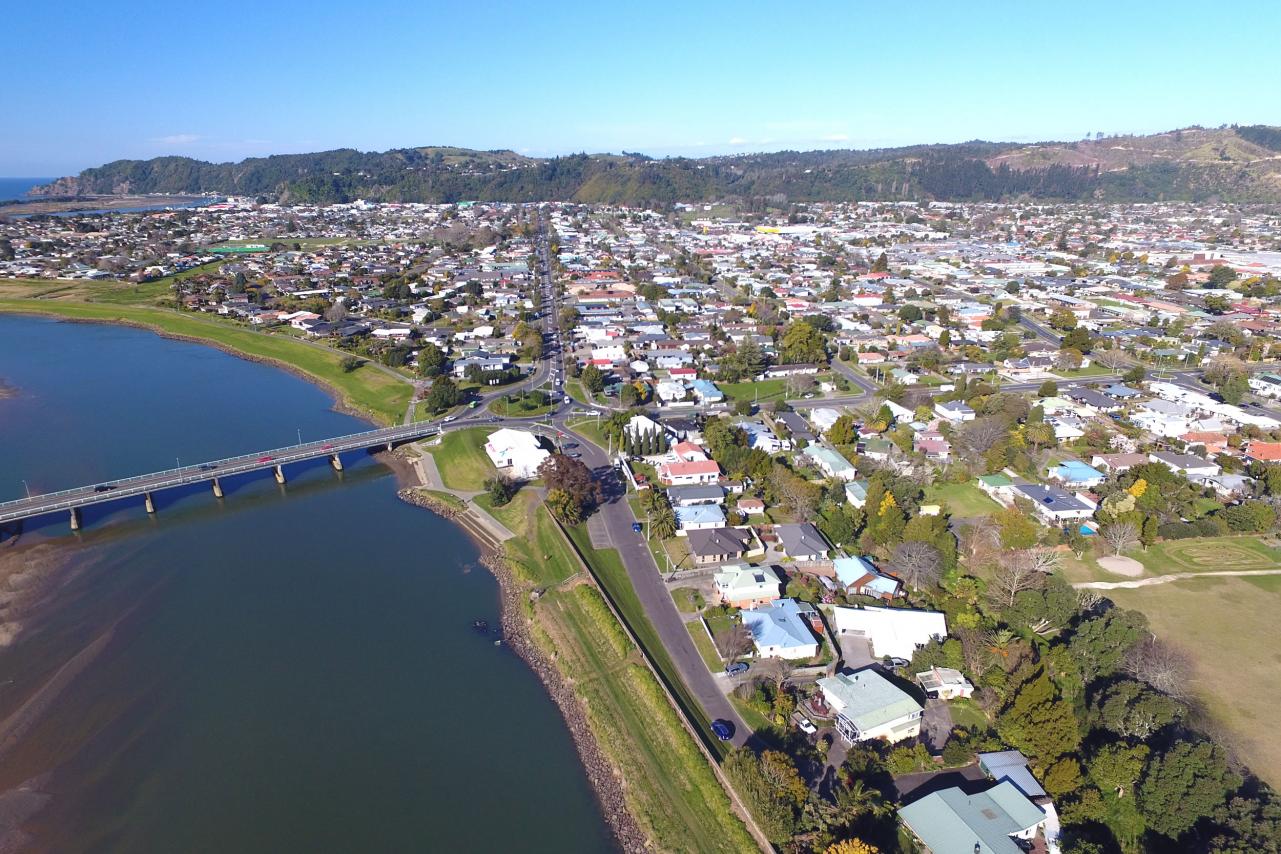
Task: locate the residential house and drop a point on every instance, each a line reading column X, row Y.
column 516, row 451
column 699, row 517
column 869, row 706
column 949, row 821
column 944, row 683
column 1117, row 463
column 1077, row 474
column 681, row 473
column 801, row 542
column 782, row 629
column 830, row 462
column 1052, row 504
column 690, row 496
column 856, row 492
column 751, row 506
column 1187, row 465
column 742, row 586
column 718, row 545
column 1011, row 766
column 896, row 632
column 955, row 411
column 860, row 577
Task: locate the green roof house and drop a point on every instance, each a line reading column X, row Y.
column 951, row 822
column 868, row 706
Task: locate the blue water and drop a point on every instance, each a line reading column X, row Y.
column 293, row 668
column 16, row 188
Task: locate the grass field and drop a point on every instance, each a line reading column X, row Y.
column 461, row 458
column 370, row 392
column 669, row 786
column 1206, row 555
column 704, row 646
column 763, row 391
column 1223, row 625
column 539, row 551
column 962, row 499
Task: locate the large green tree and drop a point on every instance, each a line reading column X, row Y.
column 1184, row 785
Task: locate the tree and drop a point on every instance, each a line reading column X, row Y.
column 1049, row 388
column 1112, row 359
column 1234, row 389
column 774, row 813
column 1148, row 533
column 431, row 360
column 919, row 564
column 593, row 379
column 564, row 507
column 1038, row 721
column 1063, row 319
column 1160, row 665
column 443, row 395
column 500, row 490
column 570, row 476
column 802, row 343
column 1019, row 571
column 1116, row 767
column 852, row 846
column 1100, row 644
column 350, row 363
column 1017, row 530
column 1184, row 785
column 1120, row 536
column 1133, row 710
column 662, row 522
column 979, row 436
column 1222, row 276
column 844, row 431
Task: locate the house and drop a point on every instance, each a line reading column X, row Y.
column 831, row 463
column 801, row 541
column 1228, row 485
column 1187, row 465
column 718, row 545
column 896, row 632
column 1011, row 766
column 955, row 411
column 516, row 451
column 1263, row 452
column 782, row 629
column 869, row 706
column 698, row 518
column 742, row 586
column 944, row 683
column 1052, row 504
column 690, row 496
column 1117, row 463
column 823, row 418
column 795, row 426
column 949, row 821
column 707, row 392
column 1076, row 474
column 860, row 577
column 932, row 444
column 682, row 473
column 856, row 493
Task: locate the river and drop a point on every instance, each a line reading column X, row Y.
column 290, row 669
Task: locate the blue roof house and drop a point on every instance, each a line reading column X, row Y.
column 698, row 517
column 859, row 576
column 782, row 630
column 706, row 391
column 1076, row 473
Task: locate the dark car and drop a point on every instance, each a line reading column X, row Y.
column 207, row 467
column 722, row 729
column 737, row 668
column 104, row 487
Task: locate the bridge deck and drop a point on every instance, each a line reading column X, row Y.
column 114, row 490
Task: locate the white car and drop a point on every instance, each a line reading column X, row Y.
column 803, row 723
column 448, row 418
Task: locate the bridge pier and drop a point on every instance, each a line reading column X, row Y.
column 336, row 462
column 75, row 518
column 280, row 474
column 217, row 488
column 151, row 505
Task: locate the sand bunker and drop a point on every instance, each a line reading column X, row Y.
column 1118, row 565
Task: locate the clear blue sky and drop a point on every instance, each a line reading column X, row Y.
column 110, row 79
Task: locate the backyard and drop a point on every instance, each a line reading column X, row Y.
column 961, row 499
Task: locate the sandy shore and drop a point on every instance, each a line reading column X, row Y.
column 516, row 634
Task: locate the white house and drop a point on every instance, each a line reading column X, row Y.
column 517, row 451
column 896, row 632
column 955, row 411
column 869, row 706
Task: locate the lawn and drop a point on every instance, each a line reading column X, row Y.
column 688, row 600
column 760, row 392
column 462, row 460
column 704, row 646
column 505, row 407
column 1093, row 370
column 1223, row 624
column 966, row 713
column 589, row 429
column 670, row 787
column 539, row 551
column 961, row 499
column 370, row 392
column 1208, row 554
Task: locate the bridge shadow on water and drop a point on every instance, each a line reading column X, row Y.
column 242, row 493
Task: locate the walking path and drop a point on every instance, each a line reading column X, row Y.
column 1164, row 579
column 489, row 529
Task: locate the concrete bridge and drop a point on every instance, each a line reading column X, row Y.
column 145, row 485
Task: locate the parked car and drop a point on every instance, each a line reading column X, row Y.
column 737, row 667
column 722, row 729
column 892, row 661
column 636, row 527
column 804, row 725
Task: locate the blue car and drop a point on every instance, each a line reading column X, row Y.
column 722, row 729
column 636, row 527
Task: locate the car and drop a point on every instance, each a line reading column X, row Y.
column 722, row 729
column 207, row 466
column 574, row 455
column 104, row 487
column 894, row 661
column 493, row 419
column 326, row 447
column 266, row 459
column 737, row 667
column 804, row 725
column 636, row 527
column 448, row 418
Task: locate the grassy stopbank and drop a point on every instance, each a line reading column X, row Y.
column 372, row 393
column 461, row 459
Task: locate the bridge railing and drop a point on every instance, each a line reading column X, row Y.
column 206, row 470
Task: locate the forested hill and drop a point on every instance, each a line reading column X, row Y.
column 1231, row 164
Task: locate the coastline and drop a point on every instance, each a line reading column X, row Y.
column 601, row 775
column 342, row 401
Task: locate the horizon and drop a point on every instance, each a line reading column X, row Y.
column 668, row 81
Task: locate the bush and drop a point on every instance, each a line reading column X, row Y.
column 350, row 363
column 1211, row 526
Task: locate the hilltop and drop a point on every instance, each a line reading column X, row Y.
column 1241, row 164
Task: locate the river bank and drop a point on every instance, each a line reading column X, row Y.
column 363, row 393
column 517, row 620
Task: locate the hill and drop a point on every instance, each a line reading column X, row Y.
column 1240, row 164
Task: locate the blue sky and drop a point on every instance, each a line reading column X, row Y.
column 107, row 80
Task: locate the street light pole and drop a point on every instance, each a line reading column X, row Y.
column 299, row 435
column 27, row 488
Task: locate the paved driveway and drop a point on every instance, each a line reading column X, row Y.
column 856, row 650
column 936, row 725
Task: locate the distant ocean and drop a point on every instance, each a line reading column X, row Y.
column 16, row 188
